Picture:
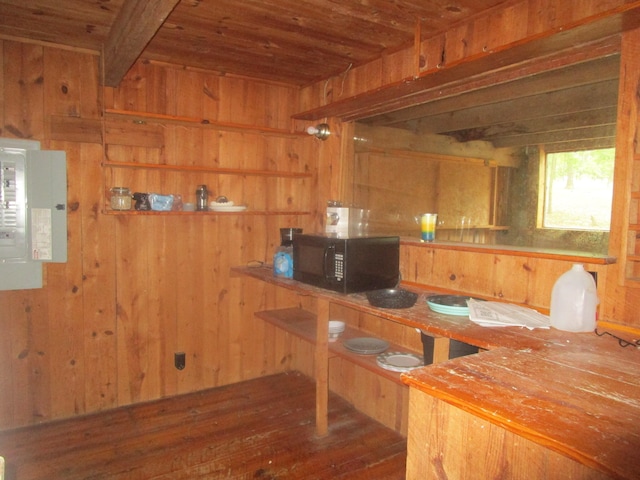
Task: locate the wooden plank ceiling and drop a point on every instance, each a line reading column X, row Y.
column 300, row 42
column 291, row 41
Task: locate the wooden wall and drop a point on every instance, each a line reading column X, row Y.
column 528, row 28
column 499, row 29
column 138, row 288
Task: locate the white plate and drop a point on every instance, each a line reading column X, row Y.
column 366, row 345
column 399, row 361
column 229, row 208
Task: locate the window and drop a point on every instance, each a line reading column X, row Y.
column 578, row 190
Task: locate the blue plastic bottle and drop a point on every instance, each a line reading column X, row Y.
column 283, row 258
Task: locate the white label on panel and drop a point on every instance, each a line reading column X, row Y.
column 41, row 244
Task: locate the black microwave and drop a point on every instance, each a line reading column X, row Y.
column 346, row 265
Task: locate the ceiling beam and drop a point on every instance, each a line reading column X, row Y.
column 134, row 27
column 428, row 86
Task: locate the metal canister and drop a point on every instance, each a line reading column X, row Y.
column 202, row 197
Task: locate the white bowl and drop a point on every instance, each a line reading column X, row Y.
column 333, row 336
column 336, row 326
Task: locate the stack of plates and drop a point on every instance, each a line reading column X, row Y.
column 450, row 304
column 227, row 208
column 399, row 361
column 336, row 327
column 366, row 345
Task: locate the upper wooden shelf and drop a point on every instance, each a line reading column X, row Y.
column 201, row 213
column 201, row 169
column 530, row 252
column 147, row 117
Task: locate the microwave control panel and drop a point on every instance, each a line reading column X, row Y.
column 339, row 266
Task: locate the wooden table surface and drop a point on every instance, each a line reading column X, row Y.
column 422, row 317
column 576, row 393
column 581, row 399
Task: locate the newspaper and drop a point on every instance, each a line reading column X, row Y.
column 497, row 314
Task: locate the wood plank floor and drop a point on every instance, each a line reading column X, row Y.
column 259, row 429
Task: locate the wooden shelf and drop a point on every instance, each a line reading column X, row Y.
column 200, row 213
column 302, row 324
column 146, row 117
column 124, row 135
column 198, row 169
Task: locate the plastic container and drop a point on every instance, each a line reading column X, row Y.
column 574, row 300
column 283, row 258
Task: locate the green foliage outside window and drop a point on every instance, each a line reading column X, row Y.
column 579, row 190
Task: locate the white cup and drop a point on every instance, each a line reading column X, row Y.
column 336, row 327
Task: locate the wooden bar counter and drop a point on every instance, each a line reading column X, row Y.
column 568, row 411
column 535, row 404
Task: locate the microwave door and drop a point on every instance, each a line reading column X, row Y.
column 328, row 263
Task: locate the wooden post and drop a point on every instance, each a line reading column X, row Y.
column 322, row 367
column 441, row 349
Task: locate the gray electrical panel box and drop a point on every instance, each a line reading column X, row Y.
column 33, row 212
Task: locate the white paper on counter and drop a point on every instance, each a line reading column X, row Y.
column 498, row 314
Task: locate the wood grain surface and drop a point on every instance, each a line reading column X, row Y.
column 261, row 428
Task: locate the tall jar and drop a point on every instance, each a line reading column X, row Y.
column 120, row 198
column 202, row 197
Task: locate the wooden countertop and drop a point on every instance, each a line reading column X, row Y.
column 575, row 393
column 581, row 399
column 422, row 317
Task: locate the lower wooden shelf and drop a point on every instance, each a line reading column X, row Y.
column 302, row 324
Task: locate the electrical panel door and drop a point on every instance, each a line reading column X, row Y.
column 33, row 212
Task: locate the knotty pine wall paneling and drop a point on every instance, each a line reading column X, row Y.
column 58, row 339
column 515, row 278
column 493, row 31
column 138, row 288
column 211, row 320
column 135, row 289
column 517, row 24
column 622, row 297
column 27, row 339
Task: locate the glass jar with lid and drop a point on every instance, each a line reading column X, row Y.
column 120, row 198
column 202, row 196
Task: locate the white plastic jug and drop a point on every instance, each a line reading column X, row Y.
column 574, row 300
